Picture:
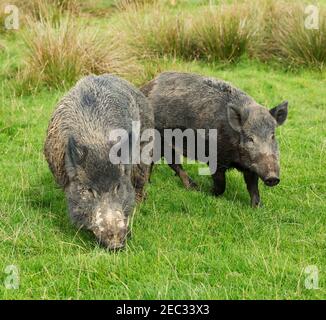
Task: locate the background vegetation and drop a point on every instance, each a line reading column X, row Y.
column 185, row 244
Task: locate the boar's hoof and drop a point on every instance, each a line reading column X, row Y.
column 256, row 203
column 191, row 184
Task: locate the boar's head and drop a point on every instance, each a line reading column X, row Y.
column 100, row 194
column 258, row 147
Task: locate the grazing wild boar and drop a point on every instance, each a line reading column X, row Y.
column 101, row 195
column 245, row 129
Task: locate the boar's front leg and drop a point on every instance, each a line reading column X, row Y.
column 140, row 177
column 219, row 182
column 186, row 180
column 251, row 179
column 179, row 171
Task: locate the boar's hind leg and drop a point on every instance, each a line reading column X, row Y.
column 179, row 171
column 251, row 179
column 219, row 182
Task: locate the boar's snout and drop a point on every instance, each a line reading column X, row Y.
column 272, row 181
column 111, row 229
column 114, row 241
column 267, row 168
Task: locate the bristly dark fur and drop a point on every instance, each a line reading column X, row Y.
column 185, row 100
column 77, row 148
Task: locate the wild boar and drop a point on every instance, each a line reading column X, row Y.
column 101, row 195
column 245, row 129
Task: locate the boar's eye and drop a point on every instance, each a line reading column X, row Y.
column 250, row 139
column 88, row 192
column 273, row 136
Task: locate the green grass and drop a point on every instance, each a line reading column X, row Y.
column 185, row 244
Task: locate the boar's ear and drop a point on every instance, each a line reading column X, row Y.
column 76, row 154
column 237, row 116
column 280, row 112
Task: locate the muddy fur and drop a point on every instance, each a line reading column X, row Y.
column 77, row 148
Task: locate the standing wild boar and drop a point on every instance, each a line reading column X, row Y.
column 101, row 195
column 245, row 130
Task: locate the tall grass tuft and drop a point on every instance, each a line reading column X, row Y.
column 38, row 9
column 2, row 17
column 219, row 33
column 168, row 35
column 57, row 55
column 264, row 29
column 157, row 32
column 223, row 33
column 290, row 41
column 284, row 37
column 134, row 4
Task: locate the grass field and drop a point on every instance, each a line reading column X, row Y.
column 185, row 244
